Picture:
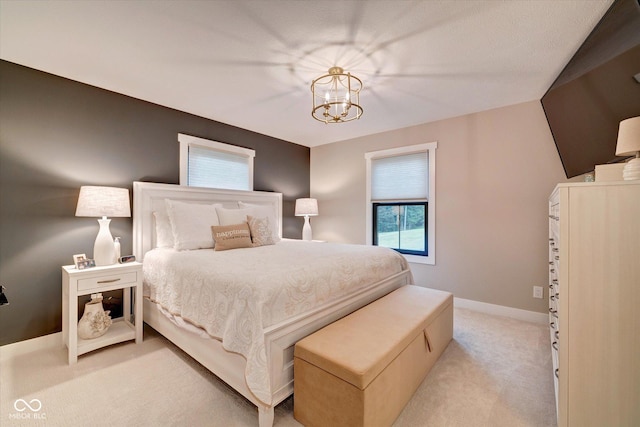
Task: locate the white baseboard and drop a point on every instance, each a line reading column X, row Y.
column 27, row 346
column 501, row 310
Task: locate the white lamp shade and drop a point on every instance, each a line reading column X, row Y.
column 306, row 207
column 628, row 137
column 103, row 201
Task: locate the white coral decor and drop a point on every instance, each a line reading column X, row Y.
column 95, row 321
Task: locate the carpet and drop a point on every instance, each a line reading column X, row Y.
column 495, row 372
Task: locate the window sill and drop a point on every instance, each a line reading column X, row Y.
column 417, row 259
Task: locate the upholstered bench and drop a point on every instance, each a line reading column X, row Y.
column 362, row 369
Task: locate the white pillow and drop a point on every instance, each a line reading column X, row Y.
column 232, row 216
column 164, row 233
column 191, row 224
column 262, row 212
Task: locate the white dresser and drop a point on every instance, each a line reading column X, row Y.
column 594, row 302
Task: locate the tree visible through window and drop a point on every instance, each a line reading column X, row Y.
column 402, row 227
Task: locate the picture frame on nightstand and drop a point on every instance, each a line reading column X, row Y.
column 86, row 263
column 78, row 258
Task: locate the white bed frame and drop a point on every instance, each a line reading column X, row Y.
column 280, row 338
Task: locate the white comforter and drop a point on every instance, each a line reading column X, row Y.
column 234, row 295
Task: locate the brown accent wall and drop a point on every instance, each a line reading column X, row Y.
column 57, row 135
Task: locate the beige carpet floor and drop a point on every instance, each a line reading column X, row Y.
column 496, row 372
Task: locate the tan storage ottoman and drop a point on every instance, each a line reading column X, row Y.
column 362, row 369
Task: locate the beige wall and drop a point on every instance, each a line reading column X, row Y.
column 494, row 173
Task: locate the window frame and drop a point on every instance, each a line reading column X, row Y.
column 187, row 141
column 430, row 149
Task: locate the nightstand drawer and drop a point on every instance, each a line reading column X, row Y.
column 101, row 281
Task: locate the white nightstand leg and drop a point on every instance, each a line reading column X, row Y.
column 72, row 318
column 126, row 304
column 138, row 313
column 65, row 313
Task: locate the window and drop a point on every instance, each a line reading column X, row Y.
column 206, row 163
column 401, row 200
column 401, row 226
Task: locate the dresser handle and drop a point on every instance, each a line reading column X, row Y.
column 556, row 373
column 553, row 312
column 108, row 281
column 552, row 297
column 553, row 270
column 557, row 334
column 556, row 257
column 555, row 345
column 552, row 325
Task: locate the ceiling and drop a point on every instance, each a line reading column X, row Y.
column 250, row 63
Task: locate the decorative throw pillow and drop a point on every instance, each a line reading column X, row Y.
column 191, row 224
column 261, row 233
column 231, row 236
column 263, row 211
column 164, row 233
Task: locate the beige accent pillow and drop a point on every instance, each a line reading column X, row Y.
column 261, row 232
column 231, row 236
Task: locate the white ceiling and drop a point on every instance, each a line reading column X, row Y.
column 250, row 63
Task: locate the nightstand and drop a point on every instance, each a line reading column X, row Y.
column 75, row 283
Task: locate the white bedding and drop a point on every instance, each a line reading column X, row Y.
column 234, row 295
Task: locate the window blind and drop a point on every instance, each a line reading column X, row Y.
column 403, row 177
column 217, row 169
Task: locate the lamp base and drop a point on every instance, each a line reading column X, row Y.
column 104, row 251
column 631, row 169
column 306, row 229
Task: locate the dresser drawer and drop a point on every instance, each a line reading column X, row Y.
column 111, row 279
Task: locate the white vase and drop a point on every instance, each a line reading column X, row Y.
column 95, row 321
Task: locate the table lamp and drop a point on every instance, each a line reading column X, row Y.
column 306, row 208
column 103, row 202
column 629, row 144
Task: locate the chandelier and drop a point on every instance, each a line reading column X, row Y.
column 336, row 97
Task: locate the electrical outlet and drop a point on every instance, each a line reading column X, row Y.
column 537, row 292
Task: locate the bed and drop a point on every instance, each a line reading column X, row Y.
column 240, row 312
